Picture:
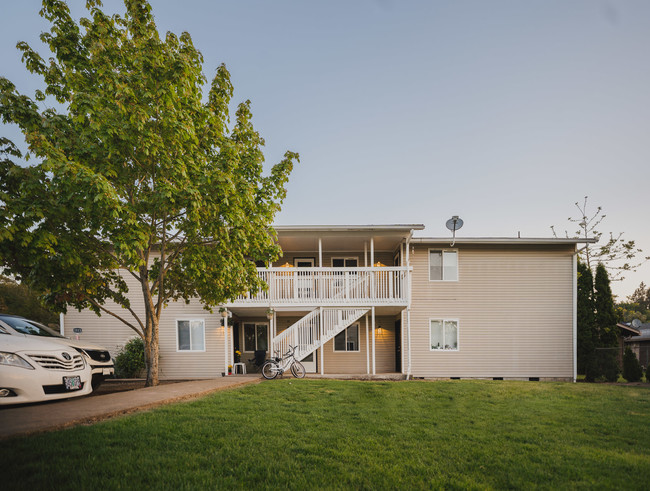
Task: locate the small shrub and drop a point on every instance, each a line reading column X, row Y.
column 607, row 366
column 130, row 360
column 632, row 371
column 647, row 373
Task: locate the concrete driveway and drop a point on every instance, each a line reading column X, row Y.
column 25, row 420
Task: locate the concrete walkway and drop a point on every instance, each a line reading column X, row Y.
column 25, row 420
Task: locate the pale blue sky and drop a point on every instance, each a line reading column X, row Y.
column 503, row 112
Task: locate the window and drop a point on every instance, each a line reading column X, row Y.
column 191, row 334
column 347, row 340
column 345, row 262
column 256, row 337
column 443, row 265
column 444, row 334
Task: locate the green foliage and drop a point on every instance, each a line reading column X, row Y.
column 17, row 299
column 130, row 360
column 641, row 297
column 328, row 434
column 605, row 317
column 616, row 254
column 139, row 174
column 647, row 373
column 632, row 371
column 586, row 323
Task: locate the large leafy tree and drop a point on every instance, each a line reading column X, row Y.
column 139, row 181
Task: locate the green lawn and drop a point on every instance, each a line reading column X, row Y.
column 304, row 434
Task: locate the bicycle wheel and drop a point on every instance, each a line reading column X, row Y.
column 297, row 370
column 270, row 370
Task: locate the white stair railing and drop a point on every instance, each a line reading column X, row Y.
column 306, row 333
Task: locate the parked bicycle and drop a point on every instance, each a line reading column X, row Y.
column 277, row 366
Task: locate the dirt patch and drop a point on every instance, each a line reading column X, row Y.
column 111, row 386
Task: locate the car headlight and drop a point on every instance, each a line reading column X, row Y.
column 12, row 359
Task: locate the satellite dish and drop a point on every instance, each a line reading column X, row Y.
column 636, row 323
column 453, row 224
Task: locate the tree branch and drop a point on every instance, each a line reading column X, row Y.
column 124, row 321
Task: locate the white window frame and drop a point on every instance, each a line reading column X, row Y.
column 243, row 332
column 346, row 350
column 442, row 257
column 190, row 319
column 345, row 258
column 438, row 350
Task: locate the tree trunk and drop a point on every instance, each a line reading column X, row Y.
column 151, row 351
column 151, row 332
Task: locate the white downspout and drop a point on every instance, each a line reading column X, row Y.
column 373, row 340
column 408, row 308
column 367, row 347
column 575, row 315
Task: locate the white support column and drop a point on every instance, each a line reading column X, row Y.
column 365, row 254
column 272, row 329
column 367, row 347
column 61, row 328
column 225, row 344
column 231, row 336
column 322, row 345
column 408, row 335
column 372, row 251
column 373, row 340
column 320, row 252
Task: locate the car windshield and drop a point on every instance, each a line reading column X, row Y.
column 32, row 328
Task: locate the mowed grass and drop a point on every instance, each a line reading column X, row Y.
column 302, row 434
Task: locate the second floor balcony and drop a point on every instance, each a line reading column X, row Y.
column 365, row 286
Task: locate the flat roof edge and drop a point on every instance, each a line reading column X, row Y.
column 503, row 240
column 343, row 228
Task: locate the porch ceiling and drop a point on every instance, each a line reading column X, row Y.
column 343, row 237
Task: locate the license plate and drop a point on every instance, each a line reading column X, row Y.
column 72, row 383
column 107, row 371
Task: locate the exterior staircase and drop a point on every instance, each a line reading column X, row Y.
column 315, row 329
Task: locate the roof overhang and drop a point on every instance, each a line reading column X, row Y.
column 343, row 238
column 628, row 328
column 503, row 240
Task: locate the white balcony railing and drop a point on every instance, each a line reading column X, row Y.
column 330, row 286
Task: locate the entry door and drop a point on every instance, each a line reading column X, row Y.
column 309, row 362
column 303, row 280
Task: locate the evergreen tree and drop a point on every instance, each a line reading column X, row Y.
column 586, row 322
column 605, row 318
column 632, row 371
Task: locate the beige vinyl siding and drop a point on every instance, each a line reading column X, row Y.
column 514, row 306
column 111, row 333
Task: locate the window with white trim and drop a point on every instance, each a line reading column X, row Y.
column 256, row 337
column 443, row 334
column 443, row 265
column 348, row 339
column 190, row 334
column 345, row 262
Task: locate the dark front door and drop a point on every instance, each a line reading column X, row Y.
column 398, row 346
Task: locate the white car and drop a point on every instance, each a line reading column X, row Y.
column 97, row 357
column 33, row 370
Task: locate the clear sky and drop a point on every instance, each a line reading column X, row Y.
column 502, row 112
